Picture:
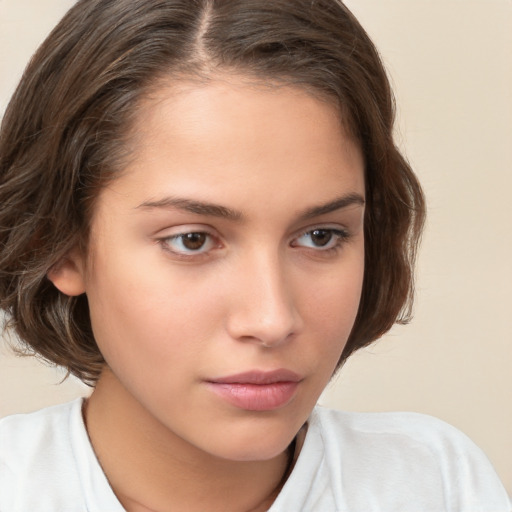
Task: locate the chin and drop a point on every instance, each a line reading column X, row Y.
column 254, row 453
column 253, row 440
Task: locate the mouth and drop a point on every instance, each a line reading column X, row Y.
column 257, row 390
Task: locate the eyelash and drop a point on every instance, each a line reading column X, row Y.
column 166, row 244
column 340, row 238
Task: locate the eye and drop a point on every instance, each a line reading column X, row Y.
column 195, row 242
column 322, row 239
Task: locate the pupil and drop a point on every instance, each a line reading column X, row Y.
column 194, row 241
column 321, row 237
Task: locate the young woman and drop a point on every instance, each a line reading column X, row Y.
column 203, row 214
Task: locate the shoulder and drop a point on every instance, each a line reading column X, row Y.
column 415, row 453
column 36, row 449
column 24, row 435
column 407, row 429
column 27, row 436
column 42, row 417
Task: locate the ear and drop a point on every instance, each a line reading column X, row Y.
column 67, row 275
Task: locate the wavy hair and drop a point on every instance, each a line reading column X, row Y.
column 64, row 135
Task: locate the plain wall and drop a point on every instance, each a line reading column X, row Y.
column 451, row 64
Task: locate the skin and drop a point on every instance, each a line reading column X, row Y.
column 262, row 292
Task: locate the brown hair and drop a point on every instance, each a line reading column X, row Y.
column 64, row 135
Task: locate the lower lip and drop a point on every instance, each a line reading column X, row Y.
column 255, row 397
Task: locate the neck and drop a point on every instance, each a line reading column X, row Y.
column 152, row 469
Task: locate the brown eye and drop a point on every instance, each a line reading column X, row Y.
column 193, row 241
column 321, row 237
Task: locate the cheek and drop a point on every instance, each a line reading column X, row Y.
column 123, row 305
column 142, row 313
column 332, row 308
column 334, row 300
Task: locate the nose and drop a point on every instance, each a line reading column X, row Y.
column 264, row 306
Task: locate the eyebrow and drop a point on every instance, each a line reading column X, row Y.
column 192, row 206
column 216, row 210
column 332, row 206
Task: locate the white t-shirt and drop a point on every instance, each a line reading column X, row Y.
column 350, row 462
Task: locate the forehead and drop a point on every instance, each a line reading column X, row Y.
column 237, row 140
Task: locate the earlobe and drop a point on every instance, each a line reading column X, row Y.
column 67, row 275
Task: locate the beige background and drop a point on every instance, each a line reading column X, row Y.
column 451, row 64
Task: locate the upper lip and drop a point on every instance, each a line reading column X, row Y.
column 259, row 377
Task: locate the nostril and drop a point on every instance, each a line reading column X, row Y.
column 269, row 330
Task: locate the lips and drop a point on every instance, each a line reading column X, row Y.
column 257, row 390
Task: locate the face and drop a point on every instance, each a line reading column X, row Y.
column 226, row 262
